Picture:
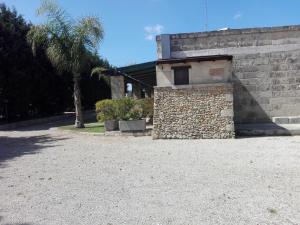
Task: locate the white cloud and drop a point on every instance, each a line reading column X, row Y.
column 152, row 31
column 157, row 29
column 238, row 16
column 149, row 37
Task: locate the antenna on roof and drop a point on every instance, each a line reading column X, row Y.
column 206, row 16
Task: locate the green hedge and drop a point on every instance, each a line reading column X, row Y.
column 124, row 109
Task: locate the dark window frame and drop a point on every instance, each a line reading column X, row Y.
column 181, row 79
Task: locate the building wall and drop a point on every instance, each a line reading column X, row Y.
column 193, row 111
column 266, row 67
column 117, row 86
column 199, row 73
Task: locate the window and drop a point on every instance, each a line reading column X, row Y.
column 181, row 75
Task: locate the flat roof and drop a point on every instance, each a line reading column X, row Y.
column 194, row 59
column 230, row 31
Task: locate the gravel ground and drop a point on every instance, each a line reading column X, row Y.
column 51, row 177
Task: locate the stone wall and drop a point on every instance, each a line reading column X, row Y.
column 266, row 67
column 193, row 111
column 266, row 85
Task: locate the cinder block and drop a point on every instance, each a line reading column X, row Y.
column 264, row 100
column 280, row 120
column 294, row 120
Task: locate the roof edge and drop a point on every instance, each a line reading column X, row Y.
column 195, row 59
column 137, row 65
column 233, row 32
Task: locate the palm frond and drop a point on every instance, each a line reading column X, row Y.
column 89, row 31
column 68, row 43
column 99, row 71
column 47, row 6
column 58, row 58
column 58, row 20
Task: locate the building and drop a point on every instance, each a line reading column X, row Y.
column 135, row 80
column 210, row 84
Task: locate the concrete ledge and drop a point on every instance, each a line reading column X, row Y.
column 222, row 33
column 286, row 120
column 132, row 125
column 193, row 86
column 267, row 129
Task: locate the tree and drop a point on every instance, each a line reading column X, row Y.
column 69, row 43
column 29, row 86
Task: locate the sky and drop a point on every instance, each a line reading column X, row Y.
column 131, row 25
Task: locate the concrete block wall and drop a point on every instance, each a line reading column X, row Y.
column 193, row 111
column 266, row 67
column 266, row 85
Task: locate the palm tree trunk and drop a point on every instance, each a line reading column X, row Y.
column 77, row 103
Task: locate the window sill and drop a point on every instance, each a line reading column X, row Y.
column 190, row 86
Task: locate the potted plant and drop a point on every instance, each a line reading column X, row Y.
column 130, row 114
column 107, row 112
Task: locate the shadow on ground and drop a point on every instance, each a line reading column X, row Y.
column 36, row 125
column 47, row 126
column 44, row 126
column 12, row 147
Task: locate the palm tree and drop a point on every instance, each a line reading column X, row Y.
column 68, row 44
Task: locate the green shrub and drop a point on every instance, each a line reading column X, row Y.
column 136, row 112
column 147, row 106
column 106, row 110
column 124, row 106
column 124, row 109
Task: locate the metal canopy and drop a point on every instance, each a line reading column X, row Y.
column 143, row 73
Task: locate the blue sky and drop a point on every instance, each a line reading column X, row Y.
column 131, row 25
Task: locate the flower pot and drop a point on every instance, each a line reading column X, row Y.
column 132, row 125
column 111, row 125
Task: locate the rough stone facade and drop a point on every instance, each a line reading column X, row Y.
column 193, row 111
column 265, row 66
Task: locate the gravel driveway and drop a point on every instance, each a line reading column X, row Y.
column 50, row 177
